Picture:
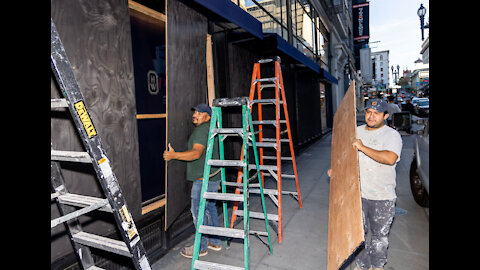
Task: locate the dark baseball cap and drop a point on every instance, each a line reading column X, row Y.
column 377, row 104
column 203, row 108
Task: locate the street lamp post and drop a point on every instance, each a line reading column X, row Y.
column 421, row 13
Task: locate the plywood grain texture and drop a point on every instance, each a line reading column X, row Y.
column 187, row 87
column 96, row 37
column 345, row 225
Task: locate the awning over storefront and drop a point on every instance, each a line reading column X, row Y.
column 272, row 44
column 234, row 14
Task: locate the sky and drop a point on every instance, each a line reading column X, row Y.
column 397, row 26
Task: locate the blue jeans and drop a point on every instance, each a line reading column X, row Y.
column 211, row 215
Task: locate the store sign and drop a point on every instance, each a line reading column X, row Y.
column 360, row 22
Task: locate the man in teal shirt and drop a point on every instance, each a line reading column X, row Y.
column 195, row 157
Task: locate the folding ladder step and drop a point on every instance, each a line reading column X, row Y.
column 93, row 267
column 82, row 201
column 269, row 191
column 283, row 175
column 263, row 144
column 224, row 163
column 59, row 103
column 228, row 130
column 272, row 79
column 73, row 156
column 204, row 265
column 223, row 196
column 268, row 85
column 259, row 215
column 271, row 122
column 103, row 243
column 274, row 140
column 266, row 101
column 263, row 167
column 221, row 231
column 234, row 184
column 77, row 213
column 275, row 158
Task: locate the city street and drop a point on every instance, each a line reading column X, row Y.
column 305, row 230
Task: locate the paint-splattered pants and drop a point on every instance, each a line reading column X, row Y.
column 377, row 217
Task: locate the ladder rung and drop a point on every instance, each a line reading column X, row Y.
column 263, row 144
column 283, row 175
column 204, row 265
column 259, row 215
column 235, row 233
column 223, row 196
column 271, row 191
column 259, row 233
column 266, row 101
column 263, row 167
column 93, row 267
column 59, row 103
column 82, row 201
column 54, row 195
column 272, row 79
column 268, row 85
column 74, row 156
column 77, row 213
column 233, row 184
column 274, row 140
column 271, row 122
column 224, row 163
column 103, row 243
column 274, row 158
column 228, row 130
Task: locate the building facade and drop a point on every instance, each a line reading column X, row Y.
column 380, row 66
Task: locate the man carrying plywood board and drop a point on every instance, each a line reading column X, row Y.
column 379, row 148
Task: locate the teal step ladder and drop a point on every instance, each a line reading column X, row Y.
column 246, row 132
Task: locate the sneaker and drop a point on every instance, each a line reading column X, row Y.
column 214, row 247
column 187, row 252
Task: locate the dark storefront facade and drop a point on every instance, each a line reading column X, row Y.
column 142, row 65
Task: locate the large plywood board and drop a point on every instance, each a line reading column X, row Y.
column 186, row 87
column 345, row 225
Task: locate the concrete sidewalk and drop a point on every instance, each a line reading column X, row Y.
column 305, row 232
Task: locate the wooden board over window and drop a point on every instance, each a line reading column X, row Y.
column 345, row 225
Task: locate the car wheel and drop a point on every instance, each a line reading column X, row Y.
column 418, row 190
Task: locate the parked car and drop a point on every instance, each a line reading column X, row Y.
column 415, row 100
column 419, row 168
column 422, row 107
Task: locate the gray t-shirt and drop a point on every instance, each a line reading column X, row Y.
column 378, row 180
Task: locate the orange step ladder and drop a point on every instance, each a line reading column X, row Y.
column 273, row 170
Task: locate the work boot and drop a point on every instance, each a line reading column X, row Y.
column 187, row 252
column 214, row 247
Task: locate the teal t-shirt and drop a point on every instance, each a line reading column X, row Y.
column 195, row 167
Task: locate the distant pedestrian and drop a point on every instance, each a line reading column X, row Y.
column 392, row 108
column 409, row 106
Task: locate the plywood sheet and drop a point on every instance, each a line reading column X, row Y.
column 345, row 225
column 187, row 87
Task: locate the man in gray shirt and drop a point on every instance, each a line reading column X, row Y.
column 379, row 148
